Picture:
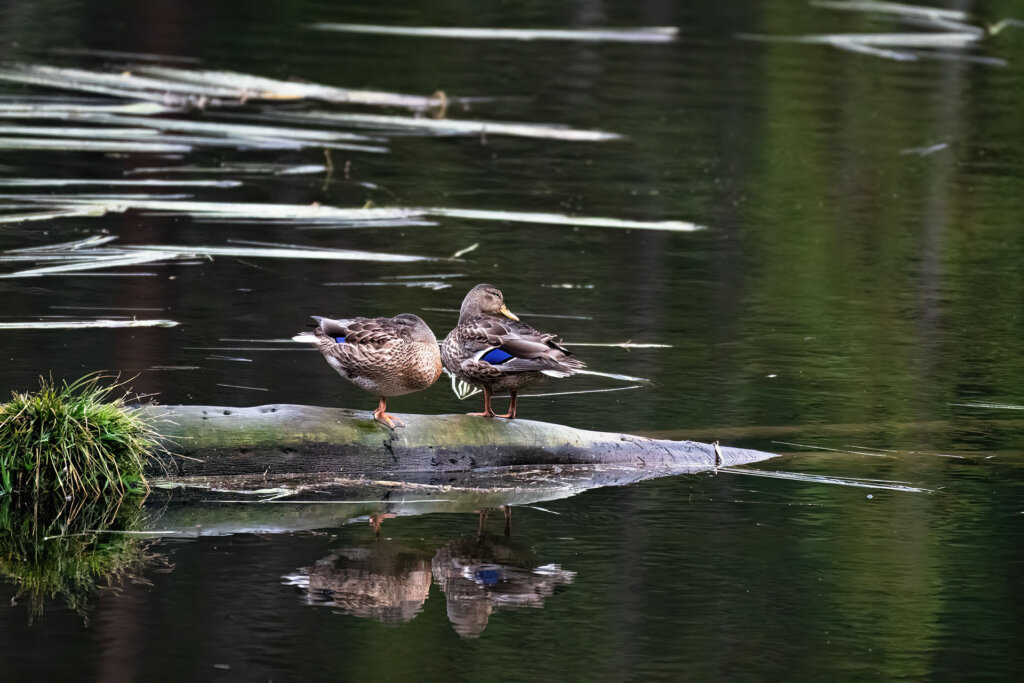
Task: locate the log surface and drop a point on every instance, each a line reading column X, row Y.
column 289, row 439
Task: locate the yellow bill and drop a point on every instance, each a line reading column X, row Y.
column 507, row 313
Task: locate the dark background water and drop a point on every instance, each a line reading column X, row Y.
column 845, row 295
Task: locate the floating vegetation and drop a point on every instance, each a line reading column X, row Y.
column 50, row 214
column 83, row 133
column 582, row 391
column 561, row 219
column 897, row 8
column 114, row 182
column 925, row 151
column 462, row 252
column 84, row 260
column 317, row 213
column 289, row 252
column 989, row 406
column 948, row 30
column 612, row 375
column 824, row 448
column 88, row 255
column 176, row 91
column 90, row 145
column 151, row 136
column 235, row 168
column 652, row 34
column 74, row 440
column 132, row 56
column 446, row 127
column 434, row 282
column 86, row 324
column 188, row 88
column 239, row 386
column 72, row 108
column 425, row 284
column 239, row 133
column 244, row 86
column 836, row 481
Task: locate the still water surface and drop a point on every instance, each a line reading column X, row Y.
column 853, row 304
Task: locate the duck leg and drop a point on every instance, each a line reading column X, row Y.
column 376, row 519
column 488, row 411
column 511, row 414
column 380, row 415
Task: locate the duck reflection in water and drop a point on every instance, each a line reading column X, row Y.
column 389, row 582
column 382, row 581
column 485, row 573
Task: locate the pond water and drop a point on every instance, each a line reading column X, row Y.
column 855, row 304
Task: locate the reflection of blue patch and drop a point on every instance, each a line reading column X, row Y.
column 496, row 356
column 340, row 340
column 488, row 577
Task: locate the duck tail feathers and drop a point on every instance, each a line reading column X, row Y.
column 565, row 367
column 333, row 328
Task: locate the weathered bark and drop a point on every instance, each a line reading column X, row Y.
column 279, row 440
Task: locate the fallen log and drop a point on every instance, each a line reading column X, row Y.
column 282, row 440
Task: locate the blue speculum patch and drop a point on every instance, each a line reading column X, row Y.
column 488, row 576
column 340, row 340
column 496, row 356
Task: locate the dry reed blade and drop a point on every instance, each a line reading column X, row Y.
column 646, row 34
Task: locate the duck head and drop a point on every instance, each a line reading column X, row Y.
column 413, row 326
column 484, row 300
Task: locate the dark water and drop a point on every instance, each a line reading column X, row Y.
column 845, row 296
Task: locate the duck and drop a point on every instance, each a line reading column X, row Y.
column 384, row 356
column 492, row 349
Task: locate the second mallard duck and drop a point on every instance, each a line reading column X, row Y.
column 384, row 356
column 491, row 349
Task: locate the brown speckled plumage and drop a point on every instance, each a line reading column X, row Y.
column 384, row 356
column 484, row 325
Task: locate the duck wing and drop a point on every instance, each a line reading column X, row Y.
column 515, row 347
column 357, row 344
column 359, row 330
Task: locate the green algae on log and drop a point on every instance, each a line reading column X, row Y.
column 276, row 440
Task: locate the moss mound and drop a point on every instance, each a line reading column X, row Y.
column 76, row 440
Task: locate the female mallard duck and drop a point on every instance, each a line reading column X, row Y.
column 491, row 349
column 385, row 356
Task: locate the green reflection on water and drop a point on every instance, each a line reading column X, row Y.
column 49, row 550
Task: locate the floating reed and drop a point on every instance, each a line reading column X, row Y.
column 321, row 213
column 86, row 324
column 446, row 127
column 651, row 34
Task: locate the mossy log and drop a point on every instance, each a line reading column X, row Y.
column 280, row 440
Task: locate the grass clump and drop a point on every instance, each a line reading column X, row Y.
column 76, row 440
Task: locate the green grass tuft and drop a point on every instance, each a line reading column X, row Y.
column 77, row 440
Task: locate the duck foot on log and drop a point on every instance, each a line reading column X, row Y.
column 380, row 415
column 488, row 411
column 512, row 411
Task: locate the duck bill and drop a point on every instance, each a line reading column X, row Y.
column 507, row 313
